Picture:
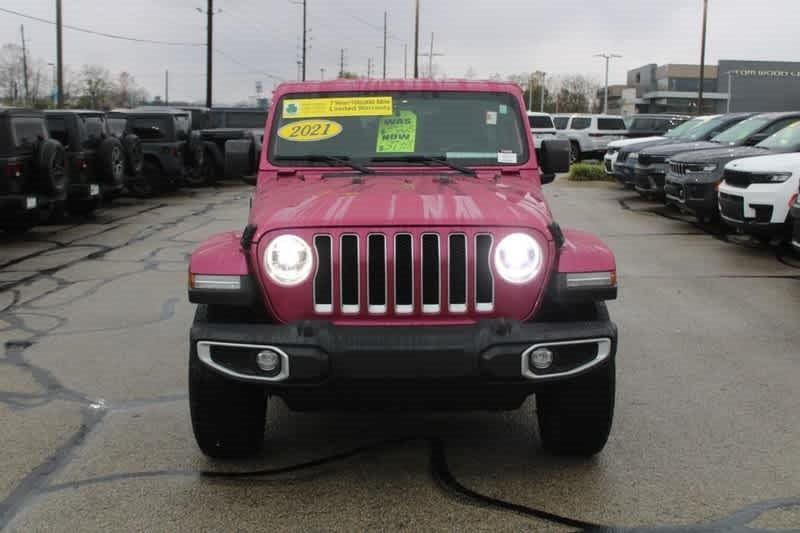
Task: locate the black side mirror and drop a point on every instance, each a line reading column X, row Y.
column 554, row 158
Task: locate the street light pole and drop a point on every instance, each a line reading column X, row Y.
column 416, row 40
column 530, row 92
column 730, row 89
column 541, row 106
column 608, row 58
column 702, row 60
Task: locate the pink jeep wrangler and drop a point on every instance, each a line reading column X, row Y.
column 399, row 253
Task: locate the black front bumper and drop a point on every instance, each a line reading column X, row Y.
column 649, row 181
column 795, row 214
column 697, row 197
column 320, row 354
column 624, row 173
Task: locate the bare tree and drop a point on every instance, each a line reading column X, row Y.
column 98, row 89
column 11, row 72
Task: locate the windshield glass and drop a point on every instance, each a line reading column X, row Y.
column 684, row 129
column 94, row 130
column 786, row 140
column 472, row 128
column 740, row 132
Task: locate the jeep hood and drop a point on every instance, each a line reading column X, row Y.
column 720, row 154
column 676, row 148
column 768, row 163
column 399, row 200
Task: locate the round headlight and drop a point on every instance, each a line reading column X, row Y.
column 288, row 260
column 518, row 258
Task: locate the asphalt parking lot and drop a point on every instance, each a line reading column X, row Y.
column 94, row 324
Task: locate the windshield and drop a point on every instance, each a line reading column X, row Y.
column 683, row 130
column 93, row 130
column 469, row 127
column 742, row 131
column 786, row 140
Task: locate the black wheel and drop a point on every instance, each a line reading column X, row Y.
column 228, row 416
column 199, row 173
column 134, row 157
column 575, row 416
column 149, row 183
column 50, row 163
column 112, row 161
column 574, row 153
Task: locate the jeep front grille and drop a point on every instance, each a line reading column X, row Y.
column 403, row 274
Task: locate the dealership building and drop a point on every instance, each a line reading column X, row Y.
column 731, row 85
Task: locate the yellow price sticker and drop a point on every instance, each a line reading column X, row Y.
column 357, row 106
column 310, row 130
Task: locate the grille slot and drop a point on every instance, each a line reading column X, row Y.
column 323, row 286
column 376, row 273
column 431, row 290
column 484, row 284
column 403, row 273
column 457, row 273
column 731, row 206
column 348, row 271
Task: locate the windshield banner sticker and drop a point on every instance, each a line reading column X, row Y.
column 507, row 157
column 309, row 130
column 357, row 106
column 397, row 133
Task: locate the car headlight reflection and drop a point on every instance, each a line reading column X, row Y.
column 518, row 258
column 288, row 260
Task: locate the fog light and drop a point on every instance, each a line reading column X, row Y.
column 269, row 361
column 541, row 358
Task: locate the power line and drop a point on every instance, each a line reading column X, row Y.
column 99, row 33
column 246, row 66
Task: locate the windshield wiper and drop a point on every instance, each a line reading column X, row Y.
column 337, row 160
column 425, row 159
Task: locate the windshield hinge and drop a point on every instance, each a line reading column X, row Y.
column 247, row 236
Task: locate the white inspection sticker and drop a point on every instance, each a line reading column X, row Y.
column 491, row 118
column 507, row 157
column 503, row 109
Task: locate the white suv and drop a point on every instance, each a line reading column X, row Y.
column 757, row 194
column 542, row 127
column 589, row 135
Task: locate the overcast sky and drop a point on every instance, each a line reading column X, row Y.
column 259, row 38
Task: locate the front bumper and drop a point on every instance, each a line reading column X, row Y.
column 322, row 355
column 759, row 209
column 650, row 179
column 623, row 172
column 795, row 214
column 695, row 196
column 608, row 163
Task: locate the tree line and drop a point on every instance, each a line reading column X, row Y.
column 90, row 87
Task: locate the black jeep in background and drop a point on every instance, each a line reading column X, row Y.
column 32, row 176
column 95, row 161
column 164, row 136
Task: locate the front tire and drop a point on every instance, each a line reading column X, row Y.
column 575, row 416
column 228, row 416
column 574, row 153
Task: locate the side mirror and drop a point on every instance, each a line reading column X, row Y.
column 554, row 158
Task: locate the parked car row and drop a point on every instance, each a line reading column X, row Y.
column 590, row 135
column 741, row 169
column 70, row 160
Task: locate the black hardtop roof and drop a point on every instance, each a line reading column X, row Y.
column 20, row 112
column 152, row 111
column 73, row 112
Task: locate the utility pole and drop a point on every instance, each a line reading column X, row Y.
column 702, row 60
column 209, row 50
column 59, row 59
column 369, row 67
column 430, row 55
column 608, row 57
column 341, row 65
column 384, row 43
column 541, row 103
column 405, row 60
column 166, row 87
column 25, row 63
column 530, row 92
column 305, row 34
column 322, row 73
column 416, row 40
